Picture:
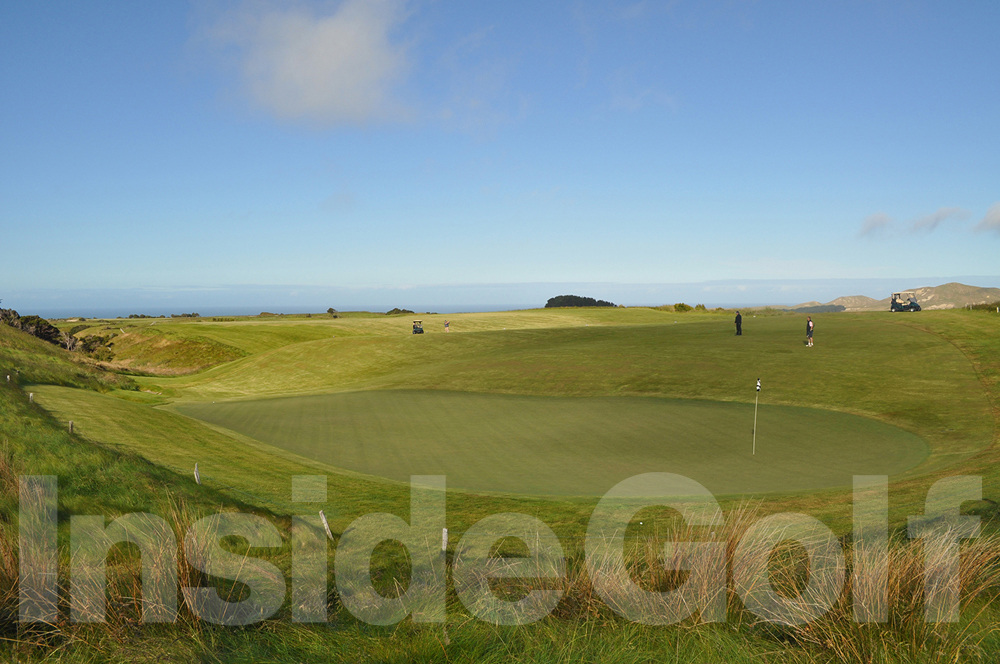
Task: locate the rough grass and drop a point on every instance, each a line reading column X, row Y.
column 163, row 352
column 26, row 359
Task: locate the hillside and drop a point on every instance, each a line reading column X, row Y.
column 858, row 303
column 946, row 296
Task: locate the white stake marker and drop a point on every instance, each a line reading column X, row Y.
column 326, row 524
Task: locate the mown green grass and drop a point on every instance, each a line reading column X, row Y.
column 863, row 364
column 571, row 445
column 930, row 389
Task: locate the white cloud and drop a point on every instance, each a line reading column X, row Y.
column 331, row 69
column 991, row 222
column 931, row 221
column 875, row 223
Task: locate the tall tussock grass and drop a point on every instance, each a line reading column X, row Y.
column 8, row 554
column 830, row 632
column 826, row 629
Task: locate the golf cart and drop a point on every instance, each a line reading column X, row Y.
column 898, row 304
column 418, row 327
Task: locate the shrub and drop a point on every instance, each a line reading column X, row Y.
column 103, row 354
column 680, row 306
column 987, row 306
column 33, row 325
column 576, row 301
column 397, row 310
column 700, row 307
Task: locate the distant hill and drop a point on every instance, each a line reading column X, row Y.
column 857, row 302
column 946, row 296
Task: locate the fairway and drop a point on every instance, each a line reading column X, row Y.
column 571, row 445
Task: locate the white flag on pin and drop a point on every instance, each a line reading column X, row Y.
column 758, row 384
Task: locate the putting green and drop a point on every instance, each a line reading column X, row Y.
column 571, row 445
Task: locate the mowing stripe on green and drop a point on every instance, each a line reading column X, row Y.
column 571, row 445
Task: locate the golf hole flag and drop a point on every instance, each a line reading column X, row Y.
column 755, row 398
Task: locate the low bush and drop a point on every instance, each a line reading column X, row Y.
column 576, row 301
column 986, row 306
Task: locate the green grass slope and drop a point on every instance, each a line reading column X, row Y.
column 862, row 363
column 931, row 388
column 26, row 359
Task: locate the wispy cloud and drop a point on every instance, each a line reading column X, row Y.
column 931, row 221
column 330, row 69
column 628, row 95
column 881, row 223
column 478, row 76
column 875, row 224
column 991, row 222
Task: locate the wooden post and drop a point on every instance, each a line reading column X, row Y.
column 71, row 426
column 444, row 541
column 197, row 476
column 31, row 397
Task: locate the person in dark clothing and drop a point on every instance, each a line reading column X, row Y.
column 739, row 324
column 809, row 331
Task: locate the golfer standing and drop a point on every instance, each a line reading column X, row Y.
column 446, row 328
column 809, row 331
column 739, row 324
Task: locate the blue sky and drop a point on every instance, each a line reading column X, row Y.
column 391, row 144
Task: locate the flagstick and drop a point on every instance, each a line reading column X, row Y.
column 754, row 453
